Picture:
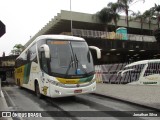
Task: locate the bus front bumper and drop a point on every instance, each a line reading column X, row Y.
column 57, row 91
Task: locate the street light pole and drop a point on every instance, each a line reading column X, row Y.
column 0, row 87
column 71, row 14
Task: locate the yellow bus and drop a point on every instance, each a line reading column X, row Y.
column 57, row 66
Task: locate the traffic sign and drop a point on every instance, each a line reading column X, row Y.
column 2, row 28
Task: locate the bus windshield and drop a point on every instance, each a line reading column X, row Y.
column 70, row 58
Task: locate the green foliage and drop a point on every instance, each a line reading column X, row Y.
column 124, row 6
column 105, row 15
column 17, row 49
column 115, row 9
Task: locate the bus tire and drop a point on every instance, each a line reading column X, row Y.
column 37, row 90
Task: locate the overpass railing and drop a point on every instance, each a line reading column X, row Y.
column 111, row 35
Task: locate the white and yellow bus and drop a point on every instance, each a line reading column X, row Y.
column 57, row 66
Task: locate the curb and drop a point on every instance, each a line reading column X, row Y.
column 126, row 101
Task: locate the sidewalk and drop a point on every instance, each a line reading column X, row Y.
column 3, row 106
column 145, row 95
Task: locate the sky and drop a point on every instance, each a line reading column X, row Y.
column 24, row 18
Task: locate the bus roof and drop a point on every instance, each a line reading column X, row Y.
column 56, row 37
column 60, row 37
column 142, row 62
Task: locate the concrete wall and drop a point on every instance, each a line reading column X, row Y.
column 84, row 17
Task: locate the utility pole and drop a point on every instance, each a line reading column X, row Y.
column 71, row 14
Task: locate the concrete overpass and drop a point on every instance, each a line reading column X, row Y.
column 88, row 26
column 62, row 23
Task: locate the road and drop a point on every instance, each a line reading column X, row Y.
column 89, row 106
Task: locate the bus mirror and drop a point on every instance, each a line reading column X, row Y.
column 98, row 51
column 46, row 50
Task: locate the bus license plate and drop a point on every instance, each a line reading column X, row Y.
column 78, row 91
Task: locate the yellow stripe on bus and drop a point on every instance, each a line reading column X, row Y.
column 20, row 74
column 68, row 81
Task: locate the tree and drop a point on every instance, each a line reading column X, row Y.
column 124, row 6
column 140, row 17
column 17, row 49
column 149, row 16
column 157, row 13
column 115, row 9
column 105, row 16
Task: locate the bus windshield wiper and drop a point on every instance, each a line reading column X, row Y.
column 70, row 64
column 76, row 63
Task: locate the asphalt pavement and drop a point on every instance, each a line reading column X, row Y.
column 143, row 95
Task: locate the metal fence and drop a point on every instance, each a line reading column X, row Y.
column 109, row 74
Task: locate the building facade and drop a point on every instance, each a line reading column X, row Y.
column 7, row 64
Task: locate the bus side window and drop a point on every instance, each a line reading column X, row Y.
column 148, row 70
column 151, row 69
column 18, row 63
column 32, row 53
column 28, row 56
column 21, row 61
column 43, row 62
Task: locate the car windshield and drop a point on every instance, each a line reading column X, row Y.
column 70, row 58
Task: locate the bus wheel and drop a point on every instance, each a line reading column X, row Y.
column 37, row 91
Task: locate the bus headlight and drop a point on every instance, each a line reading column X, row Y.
column 93, row 80
column 56, row 83
column 59, row 84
